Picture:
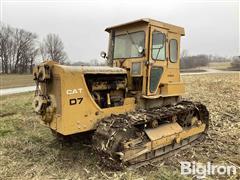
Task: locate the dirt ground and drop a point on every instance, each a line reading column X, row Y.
column 28, row 149
column 15, row 80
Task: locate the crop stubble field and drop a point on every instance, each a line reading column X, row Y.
column 28, row 149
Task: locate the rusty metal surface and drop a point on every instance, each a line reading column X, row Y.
column 94, row 69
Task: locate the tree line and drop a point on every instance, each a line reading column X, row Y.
column 19, row 49
column 193, row 61
column 236, row 62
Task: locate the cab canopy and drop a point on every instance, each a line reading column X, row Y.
column 147, row 22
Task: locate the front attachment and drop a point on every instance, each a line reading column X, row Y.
column 44, row 104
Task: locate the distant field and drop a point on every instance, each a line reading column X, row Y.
column 15, row 80
column 29, row 151
column 191, row 70
column 220, row 65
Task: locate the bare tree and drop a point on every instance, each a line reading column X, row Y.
column 17, row 49
column 42, row 51
column 25, row 47
column 6, row 44
column 53, row 49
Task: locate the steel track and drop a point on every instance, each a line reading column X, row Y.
column 111, row 131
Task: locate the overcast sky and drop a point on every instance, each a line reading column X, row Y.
column 212, row 27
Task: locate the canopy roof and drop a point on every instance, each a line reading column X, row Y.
column 147, row 21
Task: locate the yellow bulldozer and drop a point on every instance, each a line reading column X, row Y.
column 133, row 107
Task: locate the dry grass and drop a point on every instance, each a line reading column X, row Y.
column 28, row 149
column 15, row 80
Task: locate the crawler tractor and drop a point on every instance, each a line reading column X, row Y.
column 133, row 107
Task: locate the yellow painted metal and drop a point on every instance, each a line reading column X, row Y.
column 174, row 138
column 163, row 131
column 67, row 82
column 160, row 137
column 72, row 103
column 171, row 71
column 163, row 139
column 171, row 89
column 146, row 21
column 82, row 117
column 192, row 131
